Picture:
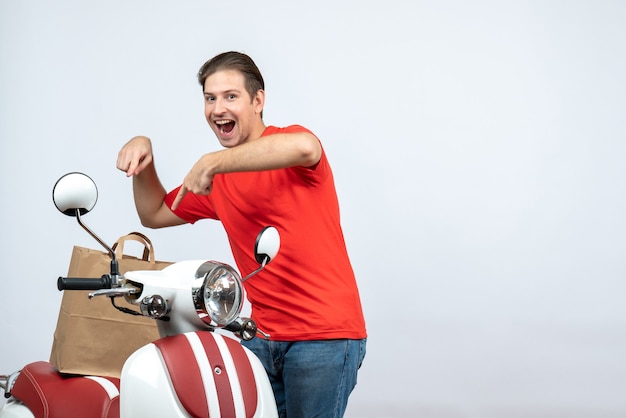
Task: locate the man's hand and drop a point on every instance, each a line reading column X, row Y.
column 199, row 180
column 135, row 156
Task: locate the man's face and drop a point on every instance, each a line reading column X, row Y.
column 233, row 115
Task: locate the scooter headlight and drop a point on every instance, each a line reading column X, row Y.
column 217, row 293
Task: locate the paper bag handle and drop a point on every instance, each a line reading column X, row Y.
column 148, row 250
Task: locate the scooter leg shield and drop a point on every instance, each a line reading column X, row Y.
column 196, row 374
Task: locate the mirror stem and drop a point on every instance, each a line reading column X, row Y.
column 97, row 238
column 265, row 260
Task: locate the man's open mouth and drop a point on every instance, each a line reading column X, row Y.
column 225, row 126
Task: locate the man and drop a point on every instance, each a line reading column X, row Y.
column 306, row 302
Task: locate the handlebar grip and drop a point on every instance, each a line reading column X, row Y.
column 78, row 283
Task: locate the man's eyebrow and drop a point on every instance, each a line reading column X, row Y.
column 208, row 93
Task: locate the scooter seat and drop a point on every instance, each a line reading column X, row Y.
column 50, row 394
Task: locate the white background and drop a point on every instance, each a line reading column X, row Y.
column 479, row 154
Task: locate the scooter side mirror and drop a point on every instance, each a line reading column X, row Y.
column 267, row 245
column 75, row 192
column 265, row 248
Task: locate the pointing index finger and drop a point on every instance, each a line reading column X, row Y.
column 179, row 197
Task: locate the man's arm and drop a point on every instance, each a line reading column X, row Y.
column 136, row 159
column 265, row 153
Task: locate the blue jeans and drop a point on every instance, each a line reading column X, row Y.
column 310, row 378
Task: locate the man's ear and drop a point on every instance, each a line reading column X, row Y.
column 259, row 101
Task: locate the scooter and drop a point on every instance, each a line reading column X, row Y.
column 191, row 371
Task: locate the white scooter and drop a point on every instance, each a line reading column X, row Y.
column 189, row 372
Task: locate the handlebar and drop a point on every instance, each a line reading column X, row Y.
column 80, row 283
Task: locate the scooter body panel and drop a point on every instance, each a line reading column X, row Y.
column 225, row 380
column 145, row 389
column 15, row 409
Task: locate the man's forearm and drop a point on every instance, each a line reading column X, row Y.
column 269, row 153
column 148, row 193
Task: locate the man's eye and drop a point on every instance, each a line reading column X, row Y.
column 209, row 98
column 231, row 97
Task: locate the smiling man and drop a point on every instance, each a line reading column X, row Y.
column 306, row 303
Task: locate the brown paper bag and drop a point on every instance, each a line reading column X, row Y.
column 92, row 337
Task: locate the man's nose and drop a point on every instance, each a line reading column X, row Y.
column 219, row 107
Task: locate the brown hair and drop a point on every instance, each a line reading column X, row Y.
column 238, row 61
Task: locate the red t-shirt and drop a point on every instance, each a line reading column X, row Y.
column 309, row 291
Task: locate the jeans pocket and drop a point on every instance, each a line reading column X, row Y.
column 362, row 350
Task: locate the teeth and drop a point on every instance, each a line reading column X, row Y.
column 222, row 122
